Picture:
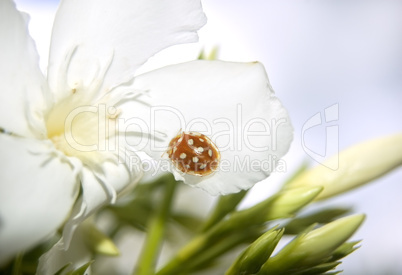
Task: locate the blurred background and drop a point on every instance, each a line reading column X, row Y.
column 318, row 54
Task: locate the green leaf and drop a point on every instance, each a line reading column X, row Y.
column 137, row 211
column 319, row 269
column 190, row 222
column 344, row 250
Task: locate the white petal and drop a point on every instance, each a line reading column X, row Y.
column 77, row 255
column 100, row 187
column 97, row 45
column 20, row 77
column 232, row 103
column 37, row 193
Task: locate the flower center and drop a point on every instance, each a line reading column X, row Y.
column 194, row 154
column 80, row 130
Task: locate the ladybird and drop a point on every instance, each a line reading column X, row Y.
column 194, row 154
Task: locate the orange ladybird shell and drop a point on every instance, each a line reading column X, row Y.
column 194, row 154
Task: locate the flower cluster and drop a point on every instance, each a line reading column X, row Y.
column 77, row 138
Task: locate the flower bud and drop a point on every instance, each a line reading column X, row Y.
column 322, row 242
column 281, row 205
column 290, row 201
column 97, row 241
column 251, row 260
column 358, row 165
column 314, row 247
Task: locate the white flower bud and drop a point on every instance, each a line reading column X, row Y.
column 358, row 165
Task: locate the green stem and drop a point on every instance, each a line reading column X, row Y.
column 225, row 205
column 192, row 249
column 153, row 242
column 17, row 264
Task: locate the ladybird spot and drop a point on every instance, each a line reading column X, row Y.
column 183, row 155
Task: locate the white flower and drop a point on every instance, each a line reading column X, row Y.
column 68, row 138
